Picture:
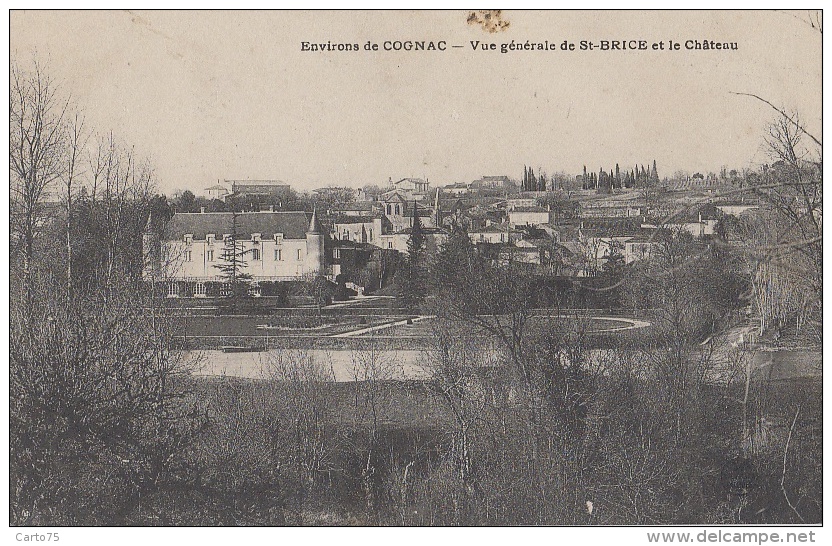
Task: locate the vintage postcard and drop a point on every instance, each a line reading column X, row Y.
column 481, row 268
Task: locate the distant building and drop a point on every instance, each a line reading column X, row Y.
column 277, row 246
column 360, row 229
column 637, row 249
column 460, row 188
column 357, row 208
column 609, row 210
column 399, row 212
column 492, row 183
column 258, row 188
column 434, row 238
column 217, row 191
column 703, row 224
column 528, row 216
column 494, row 234
column 520, row 202
column 411, row 185
column 736, row 210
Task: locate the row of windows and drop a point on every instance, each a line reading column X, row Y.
column 255, row 238
column 346, row 235
column 255, row 255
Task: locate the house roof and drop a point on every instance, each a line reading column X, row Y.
column 421, row 211
column 494, row 229
column 358, row 205
column 527, row 209
column 344, row 219
column 293, row 224
column 391, row 196
column 258, row 186
column 217, row 187
column 425, row 230
column 273, row 183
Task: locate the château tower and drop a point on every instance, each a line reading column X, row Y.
column 314, row 247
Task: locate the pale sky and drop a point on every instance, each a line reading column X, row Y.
column 230, row 95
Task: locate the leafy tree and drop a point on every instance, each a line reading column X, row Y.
column 186, row 202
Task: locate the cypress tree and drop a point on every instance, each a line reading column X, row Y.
column 412, row 288
column 654, row 175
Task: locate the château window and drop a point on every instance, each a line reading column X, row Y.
column 187, row 255
column 278, row 254
column 209, row 255
column 255, row 254
column 336, row 253
column 199, row 289
column 389, row 244
column 299, row 258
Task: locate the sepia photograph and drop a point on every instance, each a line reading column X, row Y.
column 419, row 268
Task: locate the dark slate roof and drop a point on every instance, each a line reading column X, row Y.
column 349, row 219
column 357, row 205
column 292, row 225
column 422, row 212
column 494, row 229
column 266, row 187
column 528, row 209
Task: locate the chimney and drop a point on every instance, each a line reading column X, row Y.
column 202, row 210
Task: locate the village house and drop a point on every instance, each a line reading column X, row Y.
column 410, row 186
column 271, row 189
column 528, row 216
column 360, row 229
column 460, row 188
column 217, row 191
column 399, row 212
column 493, row 183
column 434, row 238
column 608, row 210
column 637, row 249
column 357, row 208
column 274, row 246
column 495, row 234
column 700, row 224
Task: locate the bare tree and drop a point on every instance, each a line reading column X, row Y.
column 76, row 141
column 37, row 155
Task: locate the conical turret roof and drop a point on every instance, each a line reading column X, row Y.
column 314, row 226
